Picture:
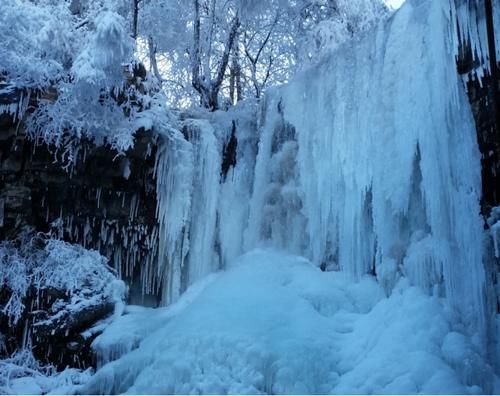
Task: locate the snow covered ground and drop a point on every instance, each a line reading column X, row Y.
column 274, row 323
column 22, row 374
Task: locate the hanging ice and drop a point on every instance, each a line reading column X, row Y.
column 366, row 163
column 174, row 174
column 202, row 259
column 188, row 168
column 382, row 166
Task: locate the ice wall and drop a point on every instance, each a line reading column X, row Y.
column 369, row 162
column 471, row 18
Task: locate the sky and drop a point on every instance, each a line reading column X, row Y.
column 394, row 3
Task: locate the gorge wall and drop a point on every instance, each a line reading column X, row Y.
column 102, row 201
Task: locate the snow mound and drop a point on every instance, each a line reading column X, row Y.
column 22, row 374
column 274, row 323
column 82, row 274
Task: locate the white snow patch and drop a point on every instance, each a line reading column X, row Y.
column 21, row 374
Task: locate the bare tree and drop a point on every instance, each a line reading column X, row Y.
column 259, row 80
column 235, row 83
column 208, row 82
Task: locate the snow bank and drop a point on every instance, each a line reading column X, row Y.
column 274, row 323
column 22, row 374
column 127, row 332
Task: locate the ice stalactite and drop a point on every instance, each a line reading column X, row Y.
column 494, row 224
column 187, row 171
column 472, row 32
column 174, row 175
column 207, row 165
column 14, row 102
column 384, row 164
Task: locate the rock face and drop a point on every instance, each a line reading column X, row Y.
column 483, row 89
column 103, row 201
column 58, row 336
column 480, row 88
column 476, row 60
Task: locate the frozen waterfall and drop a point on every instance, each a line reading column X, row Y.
column 367, row 163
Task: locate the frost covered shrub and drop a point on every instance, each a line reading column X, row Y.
column 80, row 54
column 36, row 42
column 38, row 264
column 15, row 268
column 86, row 104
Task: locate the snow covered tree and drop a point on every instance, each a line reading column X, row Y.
column 82, row 52
column 204, row 50
column 325, row 24
column 208, row 73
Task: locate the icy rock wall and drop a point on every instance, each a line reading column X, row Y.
column 103, row 201
column 380, row 172
column 474, row 64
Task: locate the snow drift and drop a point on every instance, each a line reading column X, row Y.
column 275, row 324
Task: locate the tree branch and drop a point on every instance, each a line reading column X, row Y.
column 227, row 50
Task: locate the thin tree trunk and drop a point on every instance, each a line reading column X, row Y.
column 135, row 19
column 235, row 87
column 153, row 62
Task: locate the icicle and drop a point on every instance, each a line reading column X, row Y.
column 98, row 196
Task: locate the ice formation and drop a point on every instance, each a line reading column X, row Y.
column 369, row 163
column 188, row 172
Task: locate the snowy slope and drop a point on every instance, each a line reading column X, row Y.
column 274, row 323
